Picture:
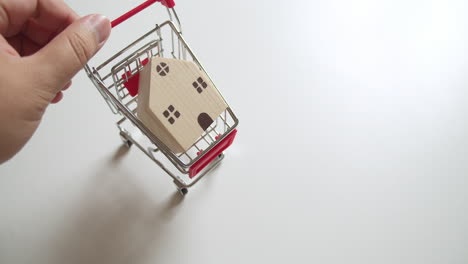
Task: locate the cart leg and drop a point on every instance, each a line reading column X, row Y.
column 183, row 191
column 127, row 142
column 180, row 188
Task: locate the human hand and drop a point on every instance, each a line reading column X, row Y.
column 43, row 44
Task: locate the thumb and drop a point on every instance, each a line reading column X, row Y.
column 69, row 51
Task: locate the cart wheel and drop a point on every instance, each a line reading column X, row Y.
column 183, row 191
column 127, row 142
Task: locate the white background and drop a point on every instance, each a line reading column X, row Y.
column 352, row 146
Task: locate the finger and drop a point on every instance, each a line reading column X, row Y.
column 23, row 45
column 66, row 54
column 58, row 97
column 52, row 17
column 7, row 48
column 13, row 15
column 67, row 86
column 29, row 47
column 37, row 33
column 16, row 42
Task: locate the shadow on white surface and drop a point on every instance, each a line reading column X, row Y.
column 119, row 154
column 114, row 220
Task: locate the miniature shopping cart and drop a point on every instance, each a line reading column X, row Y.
column 110, row 77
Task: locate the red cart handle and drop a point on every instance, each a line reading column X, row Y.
column 138, row 9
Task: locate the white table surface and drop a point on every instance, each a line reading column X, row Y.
column 352, row 146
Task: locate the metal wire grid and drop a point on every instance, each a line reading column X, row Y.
column 117, row 96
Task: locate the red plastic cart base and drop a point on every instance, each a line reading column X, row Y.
column 210, row 156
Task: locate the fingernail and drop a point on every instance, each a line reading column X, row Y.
column 101, row 27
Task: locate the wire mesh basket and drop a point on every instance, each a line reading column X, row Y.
column 109, row 77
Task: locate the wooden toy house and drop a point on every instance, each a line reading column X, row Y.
column 177, row 102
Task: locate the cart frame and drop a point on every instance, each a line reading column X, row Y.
column 186, row 168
